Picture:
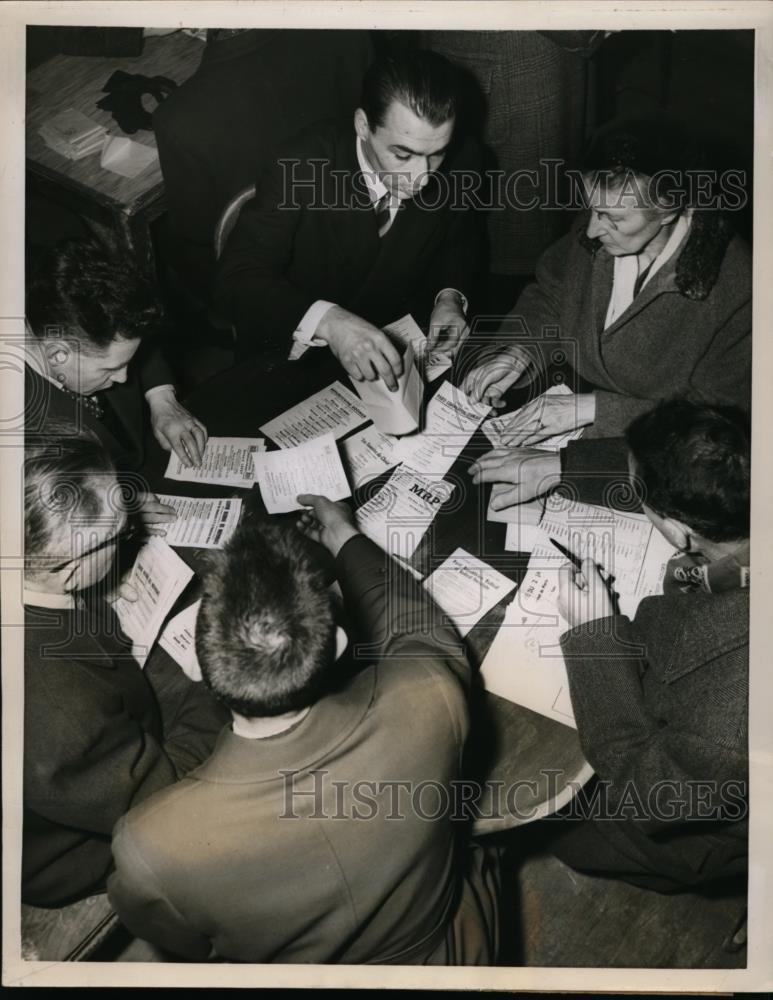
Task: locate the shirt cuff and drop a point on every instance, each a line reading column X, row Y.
column 158, row 388
column 303, row 336
column 465, row 303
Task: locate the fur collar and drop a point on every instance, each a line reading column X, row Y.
column 700, row 259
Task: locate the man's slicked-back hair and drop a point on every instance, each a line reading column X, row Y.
column 63, row 469
column 423, row 81
column 694, row 464
column 91, row 290
column 265, row 634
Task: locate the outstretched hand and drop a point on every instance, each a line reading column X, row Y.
column 327, row 522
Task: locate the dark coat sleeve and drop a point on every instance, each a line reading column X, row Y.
column 153, row 368
column 630, row 745
column 395, row 617
column 596, row 471
column 87, row 760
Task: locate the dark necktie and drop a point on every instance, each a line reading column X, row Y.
column 91, row 403
column 383, row 220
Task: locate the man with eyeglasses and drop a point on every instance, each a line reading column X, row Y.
column 99, row 733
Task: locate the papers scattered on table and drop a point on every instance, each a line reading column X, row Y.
column 524, row 537
column 398, row 516
column 312, row 467
column 431, row 364
column 452, row 418
column 179, row 640
column 126, row 157
column 227, row 461
column 159, row 576
column 203, row 524
column 367, row 454
column 335, row 409
column 466, row 588
column 499, row 430
column 395, row 412
column 73, row 134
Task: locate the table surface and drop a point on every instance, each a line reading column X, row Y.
column 538, row 760
column 76, row 82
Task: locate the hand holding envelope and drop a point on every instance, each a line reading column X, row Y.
column 395, row 412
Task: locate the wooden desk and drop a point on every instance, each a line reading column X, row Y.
column 124, row 205
column 528, row 765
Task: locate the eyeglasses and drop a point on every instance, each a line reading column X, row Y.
column 128, row 532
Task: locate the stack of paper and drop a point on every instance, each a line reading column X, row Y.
column 72, row 134
column 395, row 412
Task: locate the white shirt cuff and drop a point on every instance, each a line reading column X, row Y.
column 307, row 327
column 465, row 303
column 158, row 388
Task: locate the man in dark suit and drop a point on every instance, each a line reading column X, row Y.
column 253, row 89
column 348, row 232
column 306, row 836
column 90, row 313
column 100, row 733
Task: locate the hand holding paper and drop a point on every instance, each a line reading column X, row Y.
column 395, row 412
column 312, row 467
column 225, row 462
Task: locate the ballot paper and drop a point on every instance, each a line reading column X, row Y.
column 335, row 409
column 524, row 537
column 395, row 412
column 312, row 467
column 227, row 461
column 525, row 663
column 367, row 454
column 202, row 524
column 126, row 157
column 158, row 576
column 500, row 429
column 179, row 640
column 628, row 546
column 451, row 420
column 399, row 515
column 432, row 363
column 466, row 588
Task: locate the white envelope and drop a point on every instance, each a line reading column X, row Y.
column 395, row 412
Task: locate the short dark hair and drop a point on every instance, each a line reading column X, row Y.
column 423, row 81
column 61, row 469
column 265, row 634
column 91, row 290
column 694, row 464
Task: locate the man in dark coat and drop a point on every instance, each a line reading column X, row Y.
column 352, row 228
column 321, row 828
column 253, row 89
column 100, row 733
column 661, row 702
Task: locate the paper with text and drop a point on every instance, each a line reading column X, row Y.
column 179, row 640
column 499, row 429
column 312, row 467
column 227, row 461
column 451, row 420
column 159, row 576
column 202, row 524
column 467, row 588
column 398, row 516
column 335, row 409
column 395, row 412
column 367, row 454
